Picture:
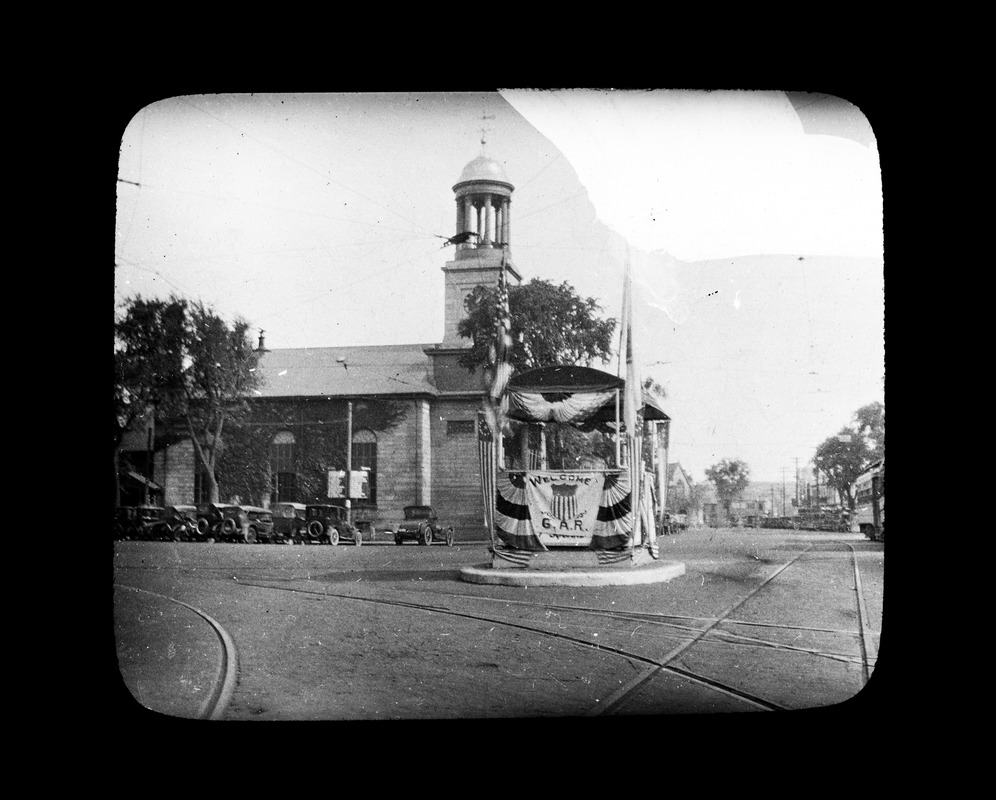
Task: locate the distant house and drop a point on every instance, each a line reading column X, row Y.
column 679, row 485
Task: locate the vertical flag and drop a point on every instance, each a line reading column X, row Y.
column 499, row 352
column 632, row 401
column 491, row 424
column 488, row 461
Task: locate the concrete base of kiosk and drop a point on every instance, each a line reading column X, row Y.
column 572, row 568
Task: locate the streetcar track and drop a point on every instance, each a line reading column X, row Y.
column 693, row 635
column 223, row 687
column 620, row 694
column 760, row 702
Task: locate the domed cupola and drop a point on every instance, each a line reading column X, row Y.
column 483, row 205
column 483, row 239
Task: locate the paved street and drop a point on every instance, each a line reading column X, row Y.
column 761, row 620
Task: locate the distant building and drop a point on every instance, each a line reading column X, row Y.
column 679, row 485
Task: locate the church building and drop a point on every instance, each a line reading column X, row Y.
column 409, row 410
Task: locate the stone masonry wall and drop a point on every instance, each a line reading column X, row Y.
column 456, row 480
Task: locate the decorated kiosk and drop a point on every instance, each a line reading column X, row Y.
column 592, row 523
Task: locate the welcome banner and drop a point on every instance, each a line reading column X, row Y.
column 539, row 509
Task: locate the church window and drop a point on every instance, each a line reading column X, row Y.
column 283, row 468
column 365, row 457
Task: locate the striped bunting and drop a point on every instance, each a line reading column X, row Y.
column 614, row 556
column 519, row 558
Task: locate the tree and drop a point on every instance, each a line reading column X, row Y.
column 731, row 478
column 687, row 503
column 550, row 325
column 147, row 365
column 196, row 368
column 219, row 373
column 844, row 456
column 869, row 423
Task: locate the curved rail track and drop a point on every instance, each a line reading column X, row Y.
column 683, row 630
column 226, row 677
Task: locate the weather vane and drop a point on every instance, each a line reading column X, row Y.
column 484, row 130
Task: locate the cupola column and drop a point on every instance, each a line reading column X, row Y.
column 506, row 228
column 469, row 215
column 489, row 219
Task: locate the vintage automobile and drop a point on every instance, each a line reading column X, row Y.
column 329, row 524
column 260, row 524
column 288, row 521
column 177, row 524
column 422, row 525
column 137, row 522
column 222, row 522
column 124, row 518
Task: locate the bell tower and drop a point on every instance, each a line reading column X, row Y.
column 483, row 239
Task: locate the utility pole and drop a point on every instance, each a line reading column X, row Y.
column 797, row 483
column 349, row 459
column 783, row 492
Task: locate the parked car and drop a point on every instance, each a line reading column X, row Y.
column 328, row 524
column 422, row 525
column 124, row 518
column 289, row 521
column 137, row 522
column 177, row 524
column 260, row 524
column 222, row 522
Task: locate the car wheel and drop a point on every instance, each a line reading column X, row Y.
column 333, row 536
column 178, row 532
column 316, row 529
column 449, row 537
column 358, row 539
column 228, row 527
column 427, row 535
column 250, row 536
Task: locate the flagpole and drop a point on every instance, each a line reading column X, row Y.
column 632, row 405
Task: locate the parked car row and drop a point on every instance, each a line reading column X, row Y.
column 290, row 523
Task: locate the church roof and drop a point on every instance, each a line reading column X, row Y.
column 397, row 369
column 483, row 168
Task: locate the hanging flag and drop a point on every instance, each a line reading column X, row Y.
column 632, row 401
column 491, row 424
column 488, row 466
column 499, row 368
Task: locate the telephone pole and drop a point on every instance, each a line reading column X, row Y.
column 783, row 492
column 797, row 483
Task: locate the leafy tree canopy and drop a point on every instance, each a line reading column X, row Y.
column 550, row 325
column 147, row 359
column 183, row 359
column 730, row 477
column 844, row 456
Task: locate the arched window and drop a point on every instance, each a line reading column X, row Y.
column 365, row 457
column 283, row 468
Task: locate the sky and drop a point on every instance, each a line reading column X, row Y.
column 751, row 221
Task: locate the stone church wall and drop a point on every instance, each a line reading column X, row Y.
column 456, row 481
